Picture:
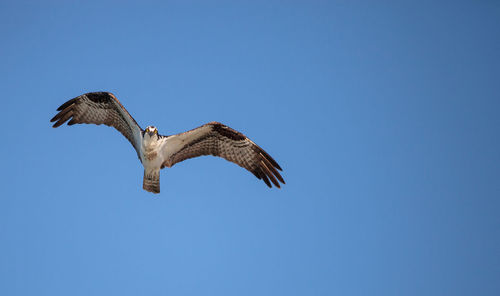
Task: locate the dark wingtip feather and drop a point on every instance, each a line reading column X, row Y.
column 268, row 157
column 256, row 175
column 266, row 180
column 57, row 124
column 63, row 106
column 268, row 173
column 65, row 112
column 263, row 176
column 278, row 175
column 273, row 169
column 63, row 116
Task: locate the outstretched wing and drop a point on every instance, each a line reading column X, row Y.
column 216, row 139
column 100, row 108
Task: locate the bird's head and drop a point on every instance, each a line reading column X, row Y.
column 151, row 130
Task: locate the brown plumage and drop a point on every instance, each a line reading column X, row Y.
column 216, row 139
column 99, row 108
column 156, row 151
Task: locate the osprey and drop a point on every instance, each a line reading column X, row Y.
column 156, row 151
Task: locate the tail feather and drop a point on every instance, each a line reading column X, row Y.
column 151, row 181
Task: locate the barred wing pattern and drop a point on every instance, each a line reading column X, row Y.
column 100, row 108
column 216, row 139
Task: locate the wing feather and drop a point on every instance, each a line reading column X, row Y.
column 100, row 108
column 216, row 139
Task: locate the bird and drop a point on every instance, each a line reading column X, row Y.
column 156, row 151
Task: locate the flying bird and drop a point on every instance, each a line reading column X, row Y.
column 156, row 151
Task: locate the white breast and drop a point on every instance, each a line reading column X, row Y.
column 150, row 152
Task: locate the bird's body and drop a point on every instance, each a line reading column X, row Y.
column 151, row 159
column 156, row 151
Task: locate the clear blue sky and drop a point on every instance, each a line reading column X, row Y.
column 385, row 119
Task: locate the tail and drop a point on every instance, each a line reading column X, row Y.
column 151, row 181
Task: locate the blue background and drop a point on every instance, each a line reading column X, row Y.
column 384, row 117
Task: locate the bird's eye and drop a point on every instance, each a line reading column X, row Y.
column 156, row 131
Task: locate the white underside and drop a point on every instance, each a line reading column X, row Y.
column 151, row 154
column 155, row 151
